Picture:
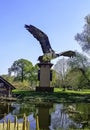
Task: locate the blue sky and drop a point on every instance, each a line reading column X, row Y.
column 59, row 19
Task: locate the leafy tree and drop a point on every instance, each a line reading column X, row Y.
column 75, row 79
column 73, row 71
column 80, row 63
column 54, row 82
column 33, row 75
column 21, row 68
column 83, row 38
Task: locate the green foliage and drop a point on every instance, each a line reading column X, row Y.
column 33, row 75
column 79, row 61
column 54, row 79
column 20, row 68
column 21, row 85
column 8, row 78
column 76, row 79
column 47, row 57
column 83, row 38
column 74, row 73
column 24, row 72
column 80, row 65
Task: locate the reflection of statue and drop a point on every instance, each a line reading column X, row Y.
column 44, row 116
column 49, row 53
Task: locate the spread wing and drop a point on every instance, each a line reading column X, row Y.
column 41, row 37
column 68, row 53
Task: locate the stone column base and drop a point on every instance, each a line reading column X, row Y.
column 44, row 89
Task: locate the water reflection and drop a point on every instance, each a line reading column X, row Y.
column 44, row 115
column 61, row 119
column 51, row 116
column 5, row 108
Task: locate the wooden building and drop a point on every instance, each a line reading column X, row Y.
column 5, row 88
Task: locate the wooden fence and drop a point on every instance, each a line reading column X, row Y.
column 25, row 125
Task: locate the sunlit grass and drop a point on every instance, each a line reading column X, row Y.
column 85, row 91
column 56, row 90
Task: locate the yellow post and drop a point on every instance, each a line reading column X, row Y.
column 17, row 126
column 4, row 124
column 15, row 123
column 8, row 125
column 37, row 123
column 24, row 122
column 28, row 125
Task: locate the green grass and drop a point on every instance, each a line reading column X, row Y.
column 85, row 91
column 58, row 90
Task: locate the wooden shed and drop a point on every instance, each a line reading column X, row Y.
column 5, row 88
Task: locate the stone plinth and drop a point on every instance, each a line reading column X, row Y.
column 44, row 89
column 44, row 77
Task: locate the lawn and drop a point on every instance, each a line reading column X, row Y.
column 84, row 91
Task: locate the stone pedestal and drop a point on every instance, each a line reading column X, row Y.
column 44, row 77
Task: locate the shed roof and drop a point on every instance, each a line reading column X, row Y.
column 7, row 83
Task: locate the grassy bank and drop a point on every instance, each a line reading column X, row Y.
column 57, row 96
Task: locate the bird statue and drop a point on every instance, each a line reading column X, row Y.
column 48, row 52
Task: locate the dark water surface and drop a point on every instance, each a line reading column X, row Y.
column 52, row 116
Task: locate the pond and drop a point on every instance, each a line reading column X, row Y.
column 52, row 116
